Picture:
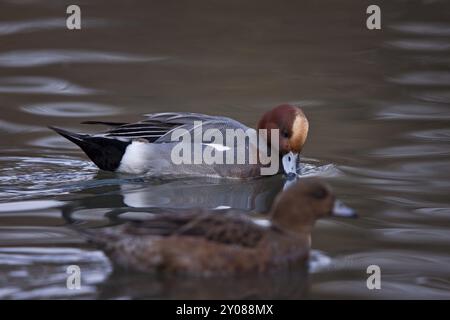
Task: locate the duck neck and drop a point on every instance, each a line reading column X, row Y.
column 292, row 224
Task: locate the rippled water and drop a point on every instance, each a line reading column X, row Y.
column 378, row 104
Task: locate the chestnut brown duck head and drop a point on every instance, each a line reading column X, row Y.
column 297, row 208
column 201, row 242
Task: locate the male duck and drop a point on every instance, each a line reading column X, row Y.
column 146, row 147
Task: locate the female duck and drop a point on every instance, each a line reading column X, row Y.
column 200, row 242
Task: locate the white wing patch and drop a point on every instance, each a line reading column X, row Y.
column 218, row 147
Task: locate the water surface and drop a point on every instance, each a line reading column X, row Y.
column 378, row 104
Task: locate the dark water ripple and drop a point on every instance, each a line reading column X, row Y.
column 390, row 160
column 36, row 58
column 8, row 28
column 41, row 85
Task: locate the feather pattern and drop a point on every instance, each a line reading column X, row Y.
column 224, row 228
column 157, row 128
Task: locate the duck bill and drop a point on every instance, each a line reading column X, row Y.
column 290, row 164
column 341, row 210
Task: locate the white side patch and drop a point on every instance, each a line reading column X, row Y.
column 136, row 157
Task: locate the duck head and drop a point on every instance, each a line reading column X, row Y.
column 293, row 131
column 297, row 208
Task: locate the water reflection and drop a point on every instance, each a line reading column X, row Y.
column 423, row 28
column 423, row 78
column 437, row 96
column 29, row 205
column 407, row 276
column 420, row 45
column 16, row 27
column 41, row 85
column 44, row 270
column 414, row 112
column 388, row 159
column 36, row 58
column 51, row 142
column 25, row 177
column 12, row 27
column 433, row 135
column 13, row 127
column 255, row 194
column 417, row 150
column 71, row 109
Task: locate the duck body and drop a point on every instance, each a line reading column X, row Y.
column 203, row 243
column 147, row 146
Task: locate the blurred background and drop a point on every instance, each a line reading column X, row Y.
column 378, row 102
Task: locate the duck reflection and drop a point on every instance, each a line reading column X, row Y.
column 256, row 194
column 120, row 195
column 109, row 190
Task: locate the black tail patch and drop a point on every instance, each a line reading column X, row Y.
column 106, row 153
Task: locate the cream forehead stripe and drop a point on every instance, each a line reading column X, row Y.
column 300, row 129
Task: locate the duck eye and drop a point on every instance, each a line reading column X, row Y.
column 285, row 133
column 320, row 193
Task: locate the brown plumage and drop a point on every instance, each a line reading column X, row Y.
column 202, row 242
